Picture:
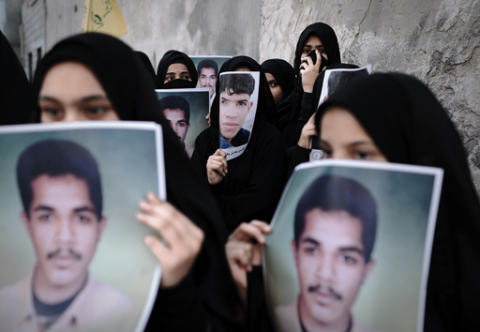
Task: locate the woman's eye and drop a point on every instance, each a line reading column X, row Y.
column 362, row 155
column 95, row 110
column 54, row 112
column 305, row 51
column 327, row 153
column 273, row 84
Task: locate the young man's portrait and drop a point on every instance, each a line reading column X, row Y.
column 61, row 193
column 235, row 104
column 334, row 233
column 208, row 75
column 177, row 111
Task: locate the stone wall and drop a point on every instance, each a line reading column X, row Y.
column 436, row 40
column 196, row 27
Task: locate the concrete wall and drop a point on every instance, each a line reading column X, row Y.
column 64, row 18
column 34, row 33
column 196, row 27
column 10, row 17
column 435, row 40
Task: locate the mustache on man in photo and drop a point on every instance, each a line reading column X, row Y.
column 327, row 290
column 70, row 252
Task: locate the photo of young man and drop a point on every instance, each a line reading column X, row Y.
column 334, row 234
column 235, row 104
column 61, row 193
column 177, row 111
column 208, row 75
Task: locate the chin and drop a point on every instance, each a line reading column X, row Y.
column 61, row 278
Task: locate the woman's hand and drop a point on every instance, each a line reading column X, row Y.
column 310, row 71
column 308, row 131
column 244, row 250
column 179, row 240
column 217, row 167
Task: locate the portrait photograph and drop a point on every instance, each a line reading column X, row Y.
column 208, row 67
column 185, row 110
column 350, row 247
column 238, row 105
column 72, row 255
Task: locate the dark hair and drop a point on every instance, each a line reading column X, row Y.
column 176, row 102
column 207, row 63
column 338, row 78
column 55, row 157
column 336, row 193
column 237, row 84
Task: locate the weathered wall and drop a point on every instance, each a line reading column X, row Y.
column 435, row 40
column 64, row 18
column 34, row 32
column 196, row 27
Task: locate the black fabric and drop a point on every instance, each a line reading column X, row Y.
column 329, row 40
column 16, row 99
column 169, row 58
column 258, row 317
column 285, row 75
column 409, row 126
column 254, row 182
column 148, row 65
column 210, row 285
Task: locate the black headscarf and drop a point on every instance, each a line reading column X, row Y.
column 329, row 40
column 206, row 296
column 169, row 58
column 254, row 182
column 148, row 65
column 285, row 75
column 16, row 100
column 409, row 126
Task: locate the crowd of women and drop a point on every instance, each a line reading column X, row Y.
column 216, row 218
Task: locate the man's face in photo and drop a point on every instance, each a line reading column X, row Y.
column 63, row 227
column 233, row 112
column 208, row 79
column 178, row 122
column 330, row 264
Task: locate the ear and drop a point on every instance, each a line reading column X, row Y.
column 368, row 269
column 250, row 104
column 101, row 226
column 295, row 252
column 26, row 223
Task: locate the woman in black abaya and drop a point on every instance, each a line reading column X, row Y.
column 202, row 298
column 408, row 125
column 176, row 71
column 322, row 38
column 17, row 104
column 280, row 78
column 253, row 182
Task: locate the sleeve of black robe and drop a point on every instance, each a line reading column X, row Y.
column 299, row 155
column 265, row 186
column 258, row 318
column 307, row 111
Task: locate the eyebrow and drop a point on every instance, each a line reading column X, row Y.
column 311, row 241
column 42, row 208
column 352, row 249
column 84, row 209
column 342, row 249
column 82, row 100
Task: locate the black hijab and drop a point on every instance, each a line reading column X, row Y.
column 409, row 126
column 148, row 65
column 254, row 181
column 210, row 297
column 16, row 99
column 172, row 57
column 285, row 75
column 329, row 41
